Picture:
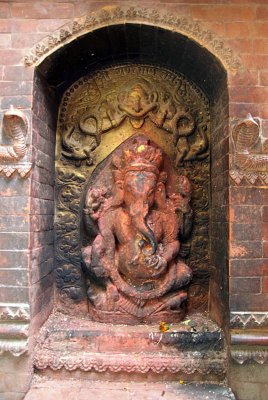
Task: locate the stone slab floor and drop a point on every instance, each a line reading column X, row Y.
column 100, row 390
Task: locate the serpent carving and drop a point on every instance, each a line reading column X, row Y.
column 246, row 135
column 15, row 126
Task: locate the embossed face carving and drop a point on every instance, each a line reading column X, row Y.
column 139, row 175
column 139, row 188
column 137, row 102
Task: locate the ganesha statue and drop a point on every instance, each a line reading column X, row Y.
column 134, row 265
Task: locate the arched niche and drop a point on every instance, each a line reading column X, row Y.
column 135, row 43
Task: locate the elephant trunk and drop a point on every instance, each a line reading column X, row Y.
column 138, row 212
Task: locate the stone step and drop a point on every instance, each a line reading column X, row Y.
column 99, row 390
column 192, row 350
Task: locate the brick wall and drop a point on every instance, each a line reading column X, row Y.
column 42, row 203
column 218, row 298
column 248, row 264
column 26, row 207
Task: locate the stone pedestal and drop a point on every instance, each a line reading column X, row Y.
column 189, row 351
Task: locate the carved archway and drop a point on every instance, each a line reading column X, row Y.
column 109, row 16
column 91, row 43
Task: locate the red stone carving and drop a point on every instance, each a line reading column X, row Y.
column 145, row 363
column 135, row 271
column 248, row 158
column 15, row 125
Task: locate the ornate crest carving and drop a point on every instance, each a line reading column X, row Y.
column 97, row 104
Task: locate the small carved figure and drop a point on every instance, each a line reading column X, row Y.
column 73, row 150
column 133, row 264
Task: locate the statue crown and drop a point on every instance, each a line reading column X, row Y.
column 143, row 155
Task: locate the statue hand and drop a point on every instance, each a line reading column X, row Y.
column 112, row 292
column 86, row 254
column 155, row 262
column 134, row 261
column 180, row 202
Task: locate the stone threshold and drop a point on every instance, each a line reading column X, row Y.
column 193, row 350
column 98, row 390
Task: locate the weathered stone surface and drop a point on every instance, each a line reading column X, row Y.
column 191, row 350
column 66, row 390
column 15, row 376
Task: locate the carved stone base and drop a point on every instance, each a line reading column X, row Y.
column 110, row 317
column 84, row 347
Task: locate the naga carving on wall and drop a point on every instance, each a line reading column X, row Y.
column 248, row 157
column 250, row 160
column 132, row 164
column 15, row 126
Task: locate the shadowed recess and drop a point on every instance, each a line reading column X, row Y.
column 134, row 43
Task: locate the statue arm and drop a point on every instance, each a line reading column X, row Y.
column 170, row 240
column 99, row 256
column 106, row 231
column 187, row 225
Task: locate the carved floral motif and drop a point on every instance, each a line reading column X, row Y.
column 196, row 248
column 191, row 363
column 68, row 274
